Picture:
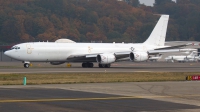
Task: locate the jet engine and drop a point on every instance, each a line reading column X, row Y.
column 56, row 63
column 105, row 58
column 138, row 56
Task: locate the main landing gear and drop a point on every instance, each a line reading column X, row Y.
column 91, row 65
column 104, row 65
column 87, row 65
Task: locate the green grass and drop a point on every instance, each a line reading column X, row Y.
column 68, row 78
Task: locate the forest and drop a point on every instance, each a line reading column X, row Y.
column 95, row 20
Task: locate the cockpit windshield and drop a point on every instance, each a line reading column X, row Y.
column 15, row 47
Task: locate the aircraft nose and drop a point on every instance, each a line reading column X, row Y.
column 7, row 53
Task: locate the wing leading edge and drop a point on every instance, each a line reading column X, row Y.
column 92, row 57
column 125, row 54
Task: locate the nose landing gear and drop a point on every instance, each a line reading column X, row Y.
column 26, row 65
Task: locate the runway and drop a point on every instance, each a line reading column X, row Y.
column 17, row 67
column 132, row 96
column 98, row 97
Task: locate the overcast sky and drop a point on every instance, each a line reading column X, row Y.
column 148, row 2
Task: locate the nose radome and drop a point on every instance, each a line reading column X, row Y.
column 7, row 53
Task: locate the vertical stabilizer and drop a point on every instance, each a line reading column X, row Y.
column 158, row 34
column 193, row 53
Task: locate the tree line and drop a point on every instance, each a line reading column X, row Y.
column 95, row 20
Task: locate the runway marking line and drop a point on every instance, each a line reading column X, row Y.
column 87, row 99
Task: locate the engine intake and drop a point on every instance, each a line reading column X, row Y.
column 105, row 58
column 138, row 56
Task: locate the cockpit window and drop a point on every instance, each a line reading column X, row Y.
column 15, row 47
column 12, row 48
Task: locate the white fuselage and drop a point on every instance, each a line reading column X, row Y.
column 179, row 58
column 51, row 51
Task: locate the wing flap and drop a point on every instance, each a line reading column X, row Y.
column 153, row 52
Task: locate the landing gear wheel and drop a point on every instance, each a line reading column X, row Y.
column 90, row 65
column 104, row 65
column 26, row 65
column 101, row 66
column 87, row 65
column 107, row 66
column 83, row 65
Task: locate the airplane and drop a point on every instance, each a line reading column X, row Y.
column 155, row 58
column 64, row 50
column 191, row 57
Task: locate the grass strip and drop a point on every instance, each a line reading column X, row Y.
column 69, row 78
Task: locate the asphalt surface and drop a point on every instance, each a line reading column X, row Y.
column 17, row 67
column 133, row 96
column 106, row 97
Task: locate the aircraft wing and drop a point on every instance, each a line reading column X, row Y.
column 125, row 54
column 153, row 52
column 171, row 49
column 118, row 55
column 92, row 57
column 82, row 58
column 175, row 47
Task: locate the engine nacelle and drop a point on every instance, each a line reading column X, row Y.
column 105, row 58
column 56, row 63
column 138, row 56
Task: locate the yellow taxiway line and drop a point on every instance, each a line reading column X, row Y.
column 87, row 99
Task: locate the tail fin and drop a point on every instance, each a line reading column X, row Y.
column 158, row 34
column 193, row 53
